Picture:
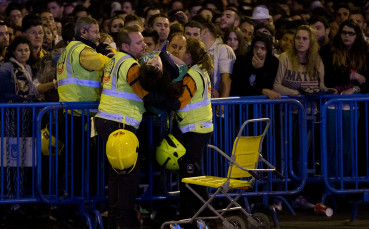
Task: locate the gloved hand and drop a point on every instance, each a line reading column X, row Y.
column 106, row 50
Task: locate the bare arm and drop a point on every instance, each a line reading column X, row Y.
column 225, row 85
column 45, row 87
column 176, row 59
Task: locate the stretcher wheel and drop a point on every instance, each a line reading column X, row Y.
column 262, row 221
column 236, row 221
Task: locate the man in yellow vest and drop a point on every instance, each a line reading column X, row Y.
column 79, row 72
column 122, row 106
column 80, row 67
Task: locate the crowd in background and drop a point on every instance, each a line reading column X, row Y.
column 271, row 48
column 268, row 48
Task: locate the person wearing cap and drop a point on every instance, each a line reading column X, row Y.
column 260, row 14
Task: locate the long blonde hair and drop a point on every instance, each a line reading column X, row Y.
column 313, row 57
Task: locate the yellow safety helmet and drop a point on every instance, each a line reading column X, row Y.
column 45, row 142
column 169, row 151
column 122, row 151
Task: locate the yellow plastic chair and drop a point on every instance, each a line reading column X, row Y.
column 241, row 174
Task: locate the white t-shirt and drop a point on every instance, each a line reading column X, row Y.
column 223, row 59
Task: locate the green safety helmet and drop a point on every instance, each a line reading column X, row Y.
column 169, row 151
column 122, row 151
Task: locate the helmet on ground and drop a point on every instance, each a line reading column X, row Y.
column 45, row 143
column 122, row 151
column 169, row 151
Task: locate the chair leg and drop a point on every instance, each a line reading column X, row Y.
column 206, row 203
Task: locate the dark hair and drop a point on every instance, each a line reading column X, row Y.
column 132, row 17
column 209, row 25
column 241, row 46
column 153, row 17
column 11, row 7
column 151, row 8
column 357, row 10
column 111, row 22
column 317, row 18
column 266, row 26
column 175, row 29
column 29, row 21
column 193, row 23
column 340, row 5
column 79, row 8
column 247, row 20
column 154, row 80
column 68, row 32
column 151, row 33
column 358, row 54
column 268, row 41
column 13, row 46
column 173, row 16
column 203, row 9
column 58, row 2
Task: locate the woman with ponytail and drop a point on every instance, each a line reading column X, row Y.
column 194, row 121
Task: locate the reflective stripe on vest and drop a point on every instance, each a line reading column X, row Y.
column 202, row 103
column 191, row 107
column 192, row 127
column 120, row 94
column 113, row 91
column 70, row 79
column 119, row 118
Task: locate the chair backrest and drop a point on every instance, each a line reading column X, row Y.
column 246, row 153
column 246, row 150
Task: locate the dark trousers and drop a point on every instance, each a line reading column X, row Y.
column 122, row 189
column 190, row 165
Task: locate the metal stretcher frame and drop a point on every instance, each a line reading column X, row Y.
column 242, row 171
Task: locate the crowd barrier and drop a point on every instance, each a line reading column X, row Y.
column 345, row 148
column 59, row 175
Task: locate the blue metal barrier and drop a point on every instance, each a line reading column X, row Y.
column 285, row 143
column 18, row 153
column 345, row 147
column 72, row 170
column 56, row 179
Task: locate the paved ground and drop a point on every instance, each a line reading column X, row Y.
column 304, row 219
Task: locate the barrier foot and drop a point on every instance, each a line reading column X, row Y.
column 88, row 219
column 98, row 219
column 274, row 215
column 355, row 210
column 287, row 204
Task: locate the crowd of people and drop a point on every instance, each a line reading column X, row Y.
column 174, row 56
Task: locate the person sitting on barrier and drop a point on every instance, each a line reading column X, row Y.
column 301, row 67
column 254, row 73
column 122, row 107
